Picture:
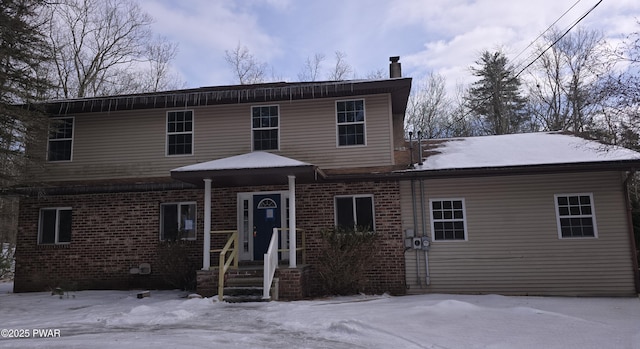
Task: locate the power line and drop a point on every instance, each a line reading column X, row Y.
column 546, row 30
column 560, row 38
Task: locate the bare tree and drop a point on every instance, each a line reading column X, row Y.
column 566, row 87
column 341, row 69
column 429, row 108
column 97, row 46
column 377, row 74
column 622, row 93
column 246, row 68
column 311, row 69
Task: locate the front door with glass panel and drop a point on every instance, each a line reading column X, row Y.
column 258, row 214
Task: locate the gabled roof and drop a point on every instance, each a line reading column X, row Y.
column 527, row 149
column 247, row 169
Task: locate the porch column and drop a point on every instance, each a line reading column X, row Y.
column 292, row 222
column 206, row 250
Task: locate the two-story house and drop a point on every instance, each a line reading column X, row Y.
column 126, row 175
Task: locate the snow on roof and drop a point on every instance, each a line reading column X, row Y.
column 541, row 148
column 257, row 159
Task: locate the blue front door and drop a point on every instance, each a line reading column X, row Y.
column 266, row 216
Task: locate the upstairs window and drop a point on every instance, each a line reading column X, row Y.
column 54, row 227
column 180, row 132
column 265, row 127
column 575, row 216
column 60, row 142
column 448, row 219
column 354, row 211
column 178, row 221
column 350, row 119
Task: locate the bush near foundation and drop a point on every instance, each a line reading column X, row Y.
column 345, row 255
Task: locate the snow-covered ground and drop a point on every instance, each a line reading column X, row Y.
column 107, row 319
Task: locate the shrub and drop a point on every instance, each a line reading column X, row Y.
column 345, row 256
column 6, row 261
column 176, row 264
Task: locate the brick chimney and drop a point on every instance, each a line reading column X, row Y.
column 395, row 69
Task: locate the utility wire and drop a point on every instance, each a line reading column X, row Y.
column 546, row 30
column 560, row 38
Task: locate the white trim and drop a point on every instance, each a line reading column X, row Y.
column 293, row 244
column 364, row 123
column 353, row 207
column 241, row 198
column 166, row 133
column 206, row 245
column 592, row 216
column 267, row 203
column 284, row 195
column 179, row 204
column 73, row 134
column 56, row 235
column 265, row 128
column 464, row 220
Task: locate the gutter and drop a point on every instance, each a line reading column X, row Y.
column 632, row 240
column 601, row 166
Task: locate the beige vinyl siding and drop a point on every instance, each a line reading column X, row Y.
column 513, row 245
column 132, row 144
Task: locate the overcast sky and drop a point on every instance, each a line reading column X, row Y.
column 444, row 36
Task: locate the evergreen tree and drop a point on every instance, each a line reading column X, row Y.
column 22, row 50
column 496, row 98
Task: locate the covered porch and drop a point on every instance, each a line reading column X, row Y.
column 266, row 233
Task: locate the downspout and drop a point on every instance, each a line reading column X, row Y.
column 632, row 240
column 415, row 227
column 422, row 210
column 424, row 233
column 413, row 203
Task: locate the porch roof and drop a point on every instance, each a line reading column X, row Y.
column 255, row 168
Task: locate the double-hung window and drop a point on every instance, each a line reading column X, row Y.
column 265, row 127
column 448, row 219
column 354, row 211
column 180, row 132
column 350, row 117
column 178, row 221
column 54, row 226
column 575, row 216
column 60, row 143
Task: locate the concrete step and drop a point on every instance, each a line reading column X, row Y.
column 244, row 281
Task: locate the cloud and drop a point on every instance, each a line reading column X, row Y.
column 445, row 36
column 204, row 29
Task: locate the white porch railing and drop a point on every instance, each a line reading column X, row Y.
column 270, row 264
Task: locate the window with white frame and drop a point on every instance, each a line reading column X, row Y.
column 448, row 219
column 180, row 132
column 54, row 226
column 178, row 221
column 354, row 211
column 265, row 127
column 575, row 215
column 60, row 143
column 350, row 117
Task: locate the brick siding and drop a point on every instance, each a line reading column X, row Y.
column 113, row 232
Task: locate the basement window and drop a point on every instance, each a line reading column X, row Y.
column 448, row 219
column 355, row 211
column 178, row 221
column 350, row 122
column 264, row 127
column 54, row 226
column 60, row 145
column 575, row 216
column 180, row 132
